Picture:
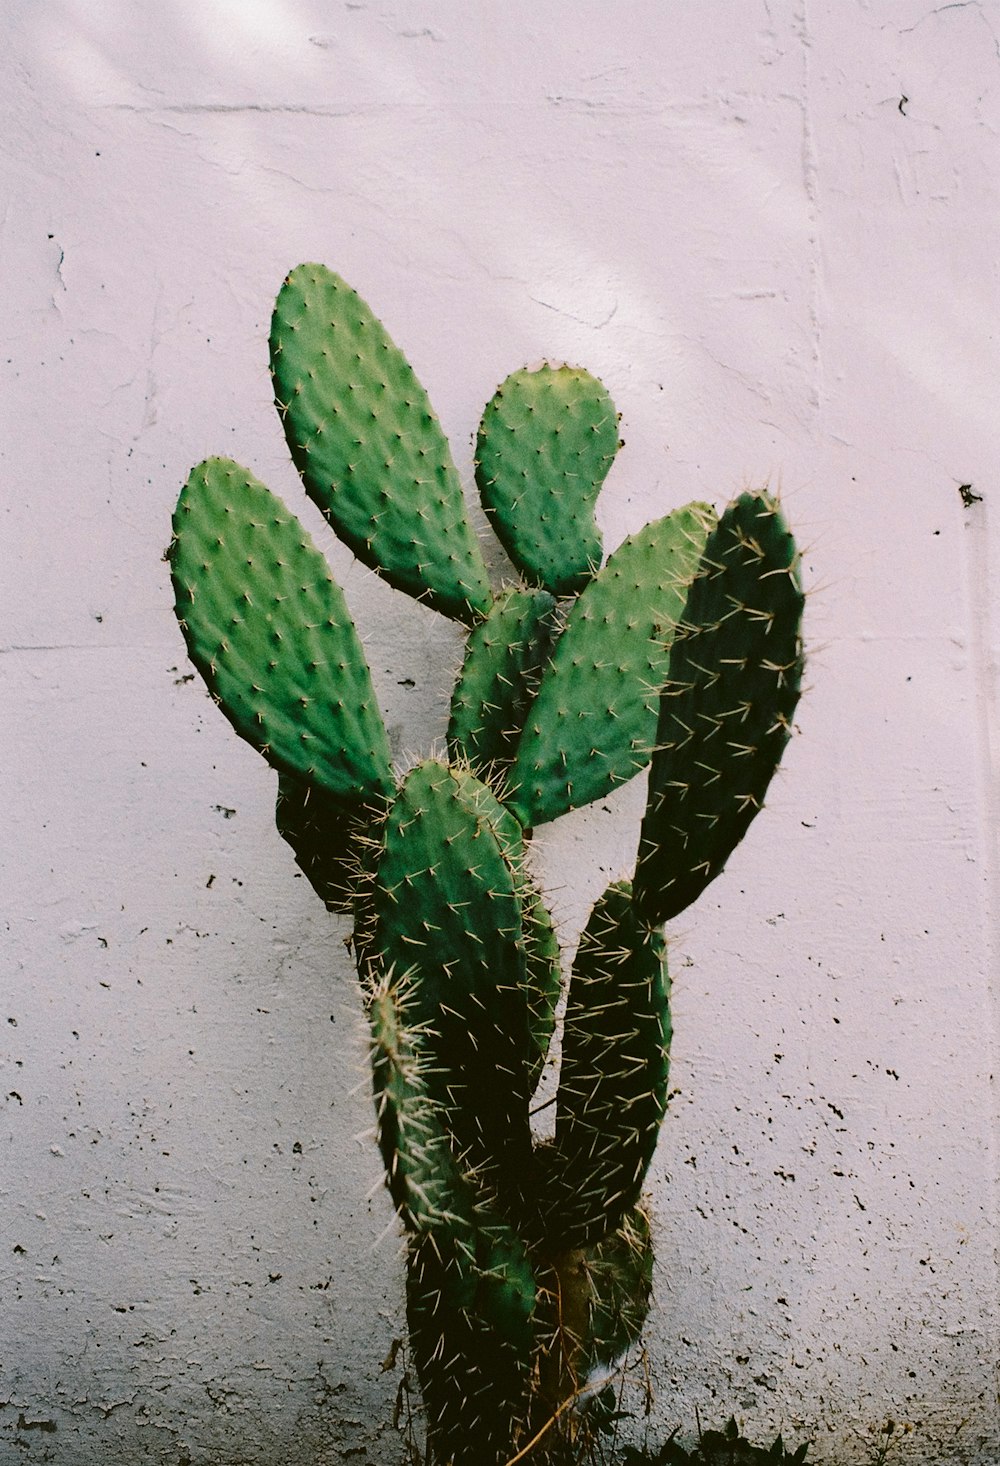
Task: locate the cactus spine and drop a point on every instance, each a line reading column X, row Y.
column 529, row 1264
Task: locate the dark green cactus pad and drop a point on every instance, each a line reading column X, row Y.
column 620, row 1270
column 613, row 1080
column 430, row 1192
column 505, row 1294
column 726, row 712
column 543, row 976
column 268, row 629
column 543, row 966
column 504, row 658
column 470, row 1327
column 592, row 724
column 325, row 835
column 449, row 916
column 368, row 446
column 545, row 445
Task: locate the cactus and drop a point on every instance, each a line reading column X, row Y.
column 529, row 1263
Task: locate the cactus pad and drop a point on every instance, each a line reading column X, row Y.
column 470, row 1329
column 449, row 916
column 726, row 712
column 368, row 446
column 593, row 721
column 613, row 1080
column 430, row 1192
column 543, row 976
column 546, row 442
column 503, row 662
column 620, row 1270
column 267, row 627
column 324, row 834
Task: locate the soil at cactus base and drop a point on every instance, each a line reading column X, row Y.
column 726, row 1447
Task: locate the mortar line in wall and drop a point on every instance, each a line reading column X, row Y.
column 986, row 691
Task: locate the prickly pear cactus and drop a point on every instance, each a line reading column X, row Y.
column 529, row 1262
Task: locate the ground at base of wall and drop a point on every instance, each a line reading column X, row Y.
column 718, row 1448
column 726, row 1447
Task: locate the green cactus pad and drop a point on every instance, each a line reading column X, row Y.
column 545, row 445
column 268, row 629
column 370, row 451
column 592, row 724
column 613, row 1080
column 506, row 1289
column 504, row 658
column 448, row 915
column 543, row 967
column 471, row 1333
column 430, row 1192
column 726, row 712
column 543, row 976
column 620, row 1270
column 324, row 834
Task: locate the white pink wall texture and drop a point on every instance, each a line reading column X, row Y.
column 770, row 227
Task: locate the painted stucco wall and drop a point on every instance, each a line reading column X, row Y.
column 770, row 227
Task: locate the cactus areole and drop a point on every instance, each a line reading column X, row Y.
column 528, row 1263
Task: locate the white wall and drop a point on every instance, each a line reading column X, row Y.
column 770, row 227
